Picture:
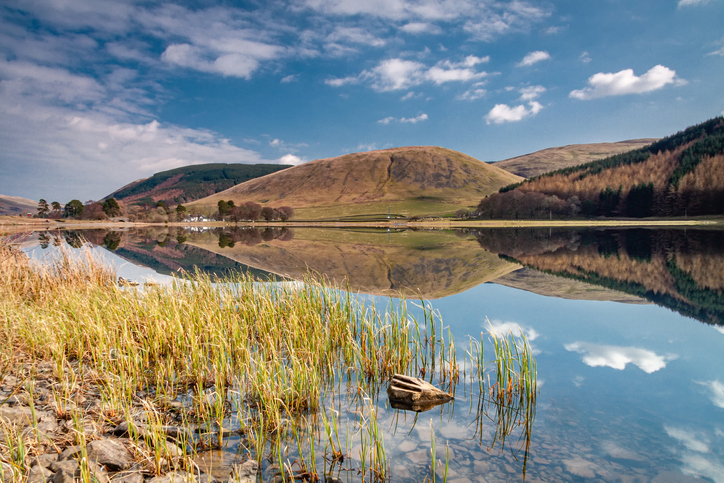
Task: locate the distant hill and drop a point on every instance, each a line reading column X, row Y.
column 407, row 181
column 679, row 175
column 14, row 205
column 190, row 183
column 552, row 159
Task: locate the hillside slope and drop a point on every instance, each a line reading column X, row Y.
column 190, row 183
column 552, row 159
column 679, row 175
column 409, row 180
column 15, row 205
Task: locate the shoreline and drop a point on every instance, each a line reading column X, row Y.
column 37, row 225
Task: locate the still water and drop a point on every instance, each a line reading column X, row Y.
column 627, row 327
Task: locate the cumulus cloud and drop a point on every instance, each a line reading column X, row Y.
column 291, row 159
column 397, row 74
column 534, row 57
column 625, row 82
column 617, row 357
column 531, row 92
column 504, row 113
column 404, row 120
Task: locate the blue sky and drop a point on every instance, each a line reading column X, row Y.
column 95, row 94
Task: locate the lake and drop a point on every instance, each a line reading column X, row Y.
column 627, row 328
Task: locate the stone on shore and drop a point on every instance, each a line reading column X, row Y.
column 111, row 454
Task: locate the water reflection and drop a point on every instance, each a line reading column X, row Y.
column 616, row 357
column 590, row 421
column 679, row 269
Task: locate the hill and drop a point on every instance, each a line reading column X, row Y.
column 553, row 159
column 680, row 175
column 407, row 181
column 14, row 205
column 190, row 183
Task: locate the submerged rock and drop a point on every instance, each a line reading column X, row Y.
column 412, row 393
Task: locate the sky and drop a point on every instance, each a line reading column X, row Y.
column 95, row 94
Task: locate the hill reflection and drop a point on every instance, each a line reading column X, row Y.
column 679, row 269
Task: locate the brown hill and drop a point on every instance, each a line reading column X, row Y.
column 15, row 205
column 551, row 159
column 408, row 181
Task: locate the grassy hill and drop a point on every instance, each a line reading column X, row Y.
column 408, row 181
column 553, row 159
column 190, row 183
column 679, row 175
column 14, row 205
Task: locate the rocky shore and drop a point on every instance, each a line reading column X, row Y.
column 76, row 443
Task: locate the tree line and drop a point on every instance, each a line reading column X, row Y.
column 250, row 211
column 158, row 212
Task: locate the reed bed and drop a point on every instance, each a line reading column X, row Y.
column 217, row 358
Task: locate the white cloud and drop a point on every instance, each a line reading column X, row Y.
column 534, row 57
column 531, row 93
column 503, row 113
column 699, row 466
column 396, row 74
column 410, row 95
column 472, row 94
column 625, row 82
column 404, row 120
column 343, row 81
column 354, row 35
column 717, row 392
column 585, row 57
column 62, row 124
column 717, row 52
column 481, row 20
column 617, row 357
column 290, row 78
column 291, row 159
column 687, row 438
column 417, row 28
column 691, row 3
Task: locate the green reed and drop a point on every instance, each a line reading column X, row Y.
column 266, row 354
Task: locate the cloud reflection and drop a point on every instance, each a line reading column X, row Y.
column 617, row 357
column 504, row 328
